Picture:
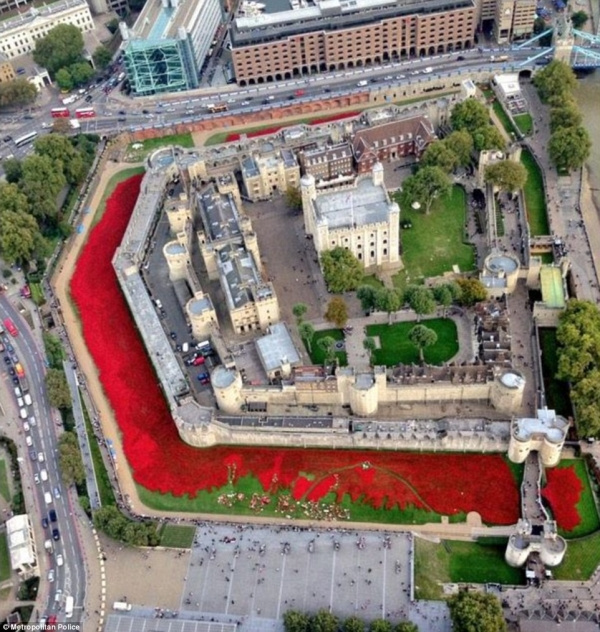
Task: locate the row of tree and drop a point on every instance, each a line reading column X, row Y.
column 569, row 146
column 578, row 336
column 111, row 521
column 324, row 621
column 30, row 209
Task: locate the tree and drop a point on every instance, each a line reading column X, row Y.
column 578, row 337
column 342, row 271
column 476, row 612
column 488, row 137
column 19, row 234
column 102, row 57
column 61, row 151
column 444, row 295
column 61, row 126
column 323, row 621
column 569, row 148
column 422, row 337
column 12, row 169
column 69, row 458
column 469, row 115
column 420, row 300
column 428, row 184
column 293, row 198
column 41, row 182
column 461, row 143
column 59, row 394
column 81, row 72
column 471, row 291
column 64, row 80
column 294, row 621
column 579, row 18
column 506, row 175
column 366, row 294
column 440, row 154
column 61, row 47
column 337, row 312
column 370, row 347
column 565, row 116
column 406, row 626
column 353, row 624
column 557, row 78
column 585, row 396
column 327, row 346
column 299, row 310
column 380, row 625
column 19, row 91
column 388, row 300
column 307, row 333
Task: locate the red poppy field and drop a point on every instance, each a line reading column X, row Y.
column 449, row 484
column 563, row 492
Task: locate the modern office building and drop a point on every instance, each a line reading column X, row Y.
column 338, row 34
column 18, row 34
column 169, row 43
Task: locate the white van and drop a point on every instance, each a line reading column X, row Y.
column 362, row 84
column 185, row 347
column 122, row 605
column 23, row 413
column 48, row 498
column 44, row 475
column 28, row 400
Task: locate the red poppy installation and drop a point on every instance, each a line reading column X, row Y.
column 445, row 483
column 563, row 491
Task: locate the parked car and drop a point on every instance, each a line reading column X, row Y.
column 52, row 515
column 55, row 534
column 45, row 522
column 51, row 575
column 59, row 560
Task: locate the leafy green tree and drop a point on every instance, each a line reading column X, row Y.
column 54, row 350
column 370, row 347
column 102, row 57
column 469, row 115
column 579, row 18
column 426, row 186
column 569, row 148
column 388, row 300
column 19, row 91
column 444, row 296
column 420, row 300
column 422, row 337
column 471, row 291
column 337, row 312
column 60, row 48
column 299, row 310
column 64, row 80
column 294, row 621
column 323, row 621
column 59, row 394
column 41, row 182
column 578, row 337
column 380, row 625
column 61, row 126
column 366, row 294
column 461, row 143
column 565, row 116
column 327, row 346
column 555, row 79
column 61, row 151
column 81, row 73
column 476, row 612
column 307, row 333
column 406, row 626
column 19, row 235
column 342, row 271
column 440, row 154
column 585, row 396
column 12, row 169
column 506, row 175
column 12, row 199
column 293, row 198
column 69, row 459
column 488, row 137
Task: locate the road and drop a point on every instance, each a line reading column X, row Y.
column 71, row 577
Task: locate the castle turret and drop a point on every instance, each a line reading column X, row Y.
column 177, row 258
column 227, row 386
column 378, row 174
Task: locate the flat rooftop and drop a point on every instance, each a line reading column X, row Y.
column 219, row 214
column 157, row 22
column 365, row 204
column 553, row 294
column 46, row 11
column 277, row 347
column 546, row 423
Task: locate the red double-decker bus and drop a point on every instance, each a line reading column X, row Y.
column 11, row 327
column 60, row 112
column 85, row 113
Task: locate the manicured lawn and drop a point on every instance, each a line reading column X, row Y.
column 435, row 242
column 4, row 487
column 457, row 561
column 524, row 122
column 397, row 349
column 4, row 558
column 150, row 144
column 177, row 536
column 581, row 560
column 557, row 391
column 503, row 118
column 535, row 196
column 373, row 281
column 317, row 355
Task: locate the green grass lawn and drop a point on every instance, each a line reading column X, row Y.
column 504, row 119
column 535, row 196
column 150, row 144
column 177, row 536
column 316, row 353
column 373, row 281
column 397, row 349
column 524, row 122
column 586, row 507
column 4, row 486
column 4, row 558
column 581, row 560
column 557, row 391
column 456, row 561
column 435, row 242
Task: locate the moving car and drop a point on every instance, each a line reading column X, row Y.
column 55, row 534
column 59, row 560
